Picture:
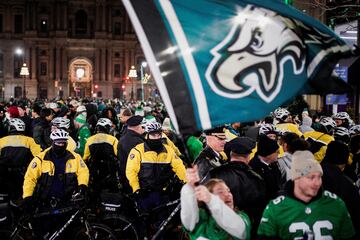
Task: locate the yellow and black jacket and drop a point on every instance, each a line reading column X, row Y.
column 100, row 155
column 18, row 150
column 100, row 145
column 71, row 144
column 148, row 170
column 318, row 143
column 171, row 144
column 288, row 127
column 41, row 170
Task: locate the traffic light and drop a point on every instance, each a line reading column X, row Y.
column 289, row 2
column 123, row 87
column 96, row 86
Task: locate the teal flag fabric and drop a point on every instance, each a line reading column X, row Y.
column 223, row 61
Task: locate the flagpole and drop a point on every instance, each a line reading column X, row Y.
column 357, row 90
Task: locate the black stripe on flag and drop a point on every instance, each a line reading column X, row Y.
column 169, row 66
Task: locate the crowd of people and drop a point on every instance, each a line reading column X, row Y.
column 283, row 177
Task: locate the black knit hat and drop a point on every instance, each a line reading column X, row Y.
column 266, row 146
column 241, row 145
column 134, row 121
column 337, row 153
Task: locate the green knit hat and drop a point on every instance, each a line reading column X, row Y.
column 81, row 118
column 139, row 111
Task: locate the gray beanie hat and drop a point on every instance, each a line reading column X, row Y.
column 304, row 163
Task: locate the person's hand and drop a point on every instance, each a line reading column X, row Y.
column 137, row 194
column 28, row 206
column 192, row 176
column 202, row 194
column 81, row 195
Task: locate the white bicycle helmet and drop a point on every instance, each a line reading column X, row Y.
column 281, row 113
column 341, row 132
column 59, row 134
column 153, row 127
column 267, row 128
column 355, row 130
column 328, row 123
column 104, row 122
column 61, row 122
column 342, row 116
column 16, row 124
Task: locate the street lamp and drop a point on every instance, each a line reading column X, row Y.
column 132, row 74
column 143, row 65
column 24, row 70
column 24, row 73
column 19, row 51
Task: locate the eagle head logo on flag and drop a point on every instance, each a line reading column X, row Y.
column 252, row 57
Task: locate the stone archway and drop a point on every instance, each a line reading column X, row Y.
column 80, row 77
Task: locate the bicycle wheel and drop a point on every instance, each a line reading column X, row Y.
column 123, row 228
column 19, row 235
column 97, row 231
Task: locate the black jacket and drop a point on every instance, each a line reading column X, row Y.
column 271, row 175
column 123, row 129
column 126, row 143
column 208, row 160
column 247, row 187
column 334, row 180
column 28, row 122
column 41, row 132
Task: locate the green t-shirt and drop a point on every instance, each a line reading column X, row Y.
column 324, row 218
column 208, row 228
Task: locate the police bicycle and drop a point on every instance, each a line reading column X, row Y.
column 78, row 216
column 130, row 223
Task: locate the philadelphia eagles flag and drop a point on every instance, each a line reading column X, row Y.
column 223, row 61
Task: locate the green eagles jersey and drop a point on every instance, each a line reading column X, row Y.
column 324, row 218
column 209, row 229
column 83, row 135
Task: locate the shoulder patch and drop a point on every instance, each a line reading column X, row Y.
column 132, row 156
column 33, row 165
column 82, row 164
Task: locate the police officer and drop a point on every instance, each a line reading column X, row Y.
column 132, row 137
column 17, row 151
column 150, row 166
column 55, row 174
column 100, row 154
column 212, row 155
column 51, row 180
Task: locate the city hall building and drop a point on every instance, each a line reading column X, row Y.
column 67, row 48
